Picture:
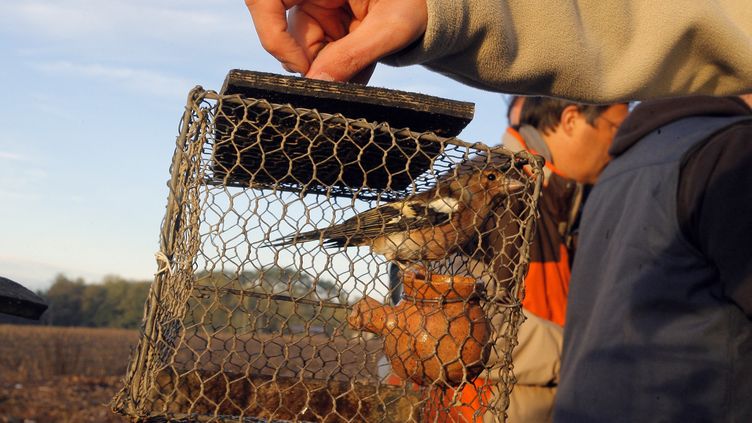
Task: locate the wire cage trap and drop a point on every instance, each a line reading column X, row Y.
column 316, row 267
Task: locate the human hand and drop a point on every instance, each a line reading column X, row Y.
column 336, row 40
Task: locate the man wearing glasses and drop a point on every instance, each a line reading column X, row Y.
column 574, row 139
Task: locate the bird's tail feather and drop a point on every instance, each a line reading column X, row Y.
column 294, row 239
column 298, row 238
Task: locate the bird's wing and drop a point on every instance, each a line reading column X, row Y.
column 389, row 218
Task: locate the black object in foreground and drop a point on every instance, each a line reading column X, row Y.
column 19, row 301
column 298, row 131
column 401, row 109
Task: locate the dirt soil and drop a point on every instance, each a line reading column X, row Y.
column 64, row 399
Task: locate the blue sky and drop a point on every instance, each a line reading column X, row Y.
column 93, row 92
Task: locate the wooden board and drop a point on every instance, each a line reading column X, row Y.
column 254, row 146
column 400, row 109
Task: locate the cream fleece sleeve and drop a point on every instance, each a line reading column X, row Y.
column 590, row 50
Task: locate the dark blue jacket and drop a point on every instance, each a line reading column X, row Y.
column 658, row 324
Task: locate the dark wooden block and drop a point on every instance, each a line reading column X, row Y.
column 19, row 301
column 401, row 109
column 286, row 147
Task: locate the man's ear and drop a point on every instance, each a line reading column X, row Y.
column 568, row 119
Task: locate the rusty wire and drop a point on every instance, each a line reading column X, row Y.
column 238, row 329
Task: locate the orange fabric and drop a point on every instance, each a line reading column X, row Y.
column 394, row 380
column 468, row 409
column 547, row 282
column 547, row 286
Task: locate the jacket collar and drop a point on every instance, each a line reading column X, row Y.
column 651, row 115
column 535, row 141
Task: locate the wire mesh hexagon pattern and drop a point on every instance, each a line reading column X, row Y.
column 314, row 267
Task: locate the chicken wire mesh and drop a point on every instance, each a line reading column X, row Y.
column 287, row 232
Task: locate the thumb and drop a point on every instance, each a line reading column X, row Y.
column 379, row 35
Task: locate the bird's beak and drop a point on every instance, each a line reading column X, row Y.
column 515, row 185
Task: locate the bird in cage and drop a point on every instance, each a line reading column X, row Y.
column 427, row 226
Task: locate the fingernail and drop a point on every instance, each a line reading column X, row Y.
column 323, row 76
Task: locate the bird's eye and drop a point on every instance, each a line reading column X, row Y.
column 491, row 177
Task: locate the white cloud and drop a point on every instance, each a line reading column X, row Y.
column 34, row 174
column 20, row 177
column 158, row 19
column 50, row 106
column 38, row 274
column 7, row 155
column 142, row 81
column 10, row 196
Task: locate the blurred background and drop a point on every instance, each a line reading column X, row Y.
column 94, row 91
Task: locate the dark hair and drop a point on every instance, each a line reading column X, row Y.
column 544, row 113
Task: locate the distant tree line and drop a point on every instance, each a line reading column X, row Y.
column 246, row 302
column 113, row 302
column 237, row 302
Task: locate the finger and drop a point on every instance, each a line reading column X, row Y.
column 313, row 27
column 382, row 32
column 333, row 19
column 270, row 19
column 306, row 32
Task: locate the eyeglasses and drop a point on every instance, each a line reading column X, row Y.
column 613, row 126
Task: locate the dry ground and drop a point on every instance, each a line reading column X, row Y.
column 52, row 374
column 66, row 399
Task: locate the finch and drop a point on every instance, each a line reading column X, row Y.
column 430, row 225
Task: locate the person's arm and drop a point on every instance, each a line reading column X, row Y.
column 587, row 50
column 715, row 208
column 590, row 50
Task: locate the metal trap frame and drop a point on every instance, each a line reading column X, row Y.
column 237, row 328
